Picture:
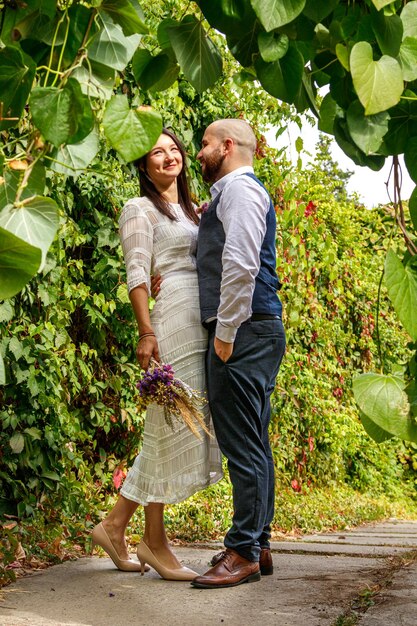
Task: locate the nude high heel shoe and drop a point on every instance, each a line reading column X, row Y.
column 101, row 538
column 145, row 555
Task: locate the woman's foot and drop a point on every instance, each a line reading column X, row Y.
column 117, row 538
column 163, row 554
column 179, row 572
column 102, row 538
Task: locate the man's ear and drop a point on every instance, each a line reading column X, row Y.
column 228, row 145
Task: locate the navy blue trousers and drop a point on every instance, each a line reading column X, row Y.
column 239, row 396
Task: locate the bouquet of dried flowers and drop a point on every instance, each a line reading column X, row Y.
column 159, row 385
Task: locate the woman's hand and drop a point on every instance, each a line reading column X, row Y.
column 147, row 348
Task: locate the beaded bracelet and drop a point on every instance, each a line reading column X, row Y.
column 146, row 335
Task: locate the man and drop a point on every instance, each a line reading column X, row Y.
column 236, row 261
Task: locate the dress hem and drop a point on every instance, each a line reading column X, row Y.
column 174, row 499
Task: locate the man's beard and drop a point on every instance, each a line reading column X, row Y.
column 212, row 166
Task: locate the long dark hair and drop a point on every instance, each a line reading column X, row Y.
column 148, row 189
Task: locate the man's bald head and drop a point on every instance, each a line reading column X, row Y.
column 237, row 130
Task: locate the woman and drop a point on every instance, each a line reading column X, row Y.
column 159, row 236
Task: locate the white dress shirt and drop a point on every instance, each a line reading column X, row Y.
column 242, row 210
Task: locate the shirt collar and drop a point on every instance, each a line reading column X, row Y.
column 220, row 184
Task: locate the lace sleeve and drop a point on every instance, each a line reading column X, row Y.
column 136, row 235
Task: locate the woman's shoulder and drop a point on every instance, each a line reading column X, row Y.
column 136, row 207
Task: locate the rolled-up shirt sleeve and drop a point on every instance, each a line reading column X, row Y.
column 242, row 210
column 136, row 236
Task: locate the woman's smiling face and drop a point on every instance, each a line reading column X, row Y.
column 164, row 162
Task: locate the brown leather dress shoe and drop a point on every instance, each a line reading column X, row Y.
column 231, row 570
column 265, row 561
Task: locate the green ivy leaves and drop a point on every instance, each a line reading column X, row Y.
column 275, row 13
column 17, row 72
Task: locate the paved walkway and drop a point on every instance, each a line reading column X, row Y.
column 368, row 571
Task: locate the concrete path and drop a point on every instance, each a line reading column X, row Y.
column 367, row 574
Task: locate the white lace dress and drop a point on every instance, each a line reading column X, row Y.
column 172, row 465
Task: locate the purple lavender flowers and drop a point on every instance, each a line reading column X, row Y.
column 158, row 385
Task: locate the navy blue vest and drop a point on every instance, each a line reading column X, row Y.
column 211, row 238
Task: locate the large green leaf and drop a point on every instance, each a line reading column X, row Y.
column 283, row 78
column 16, row 78
column 379, row 84
column 198, row 57
column 132, row 132
column 123, row 13
column 412, row 205
column 34, row 220
column 408, row 58
column 19, row 261
column 383, row 400
column 409, row 19
column 377, row 433
column 388, row 32
column 366, row 131
column 72, row 159
column 401, row 282
column 110, row 46
column 345, row 141
column 276, row 13
column 410, row 157
column 62, row 115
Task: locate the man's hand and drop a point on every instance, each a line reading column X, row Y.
column 156, row 281
column 222, row 349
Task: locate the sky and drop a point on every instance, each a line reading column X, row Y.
column 369, row 185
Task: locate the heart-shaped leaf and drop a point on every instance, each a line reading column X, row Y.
column 62, row 115
column 383, row 400
column 366, row 131
column 276, row 13
column 271, row 47
column 379, row 84
column 401, row 284
column 19, row 261
column 132, row 132
column 328, row 112
column 34, row 220
column 197, row 55
column 110, row 46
